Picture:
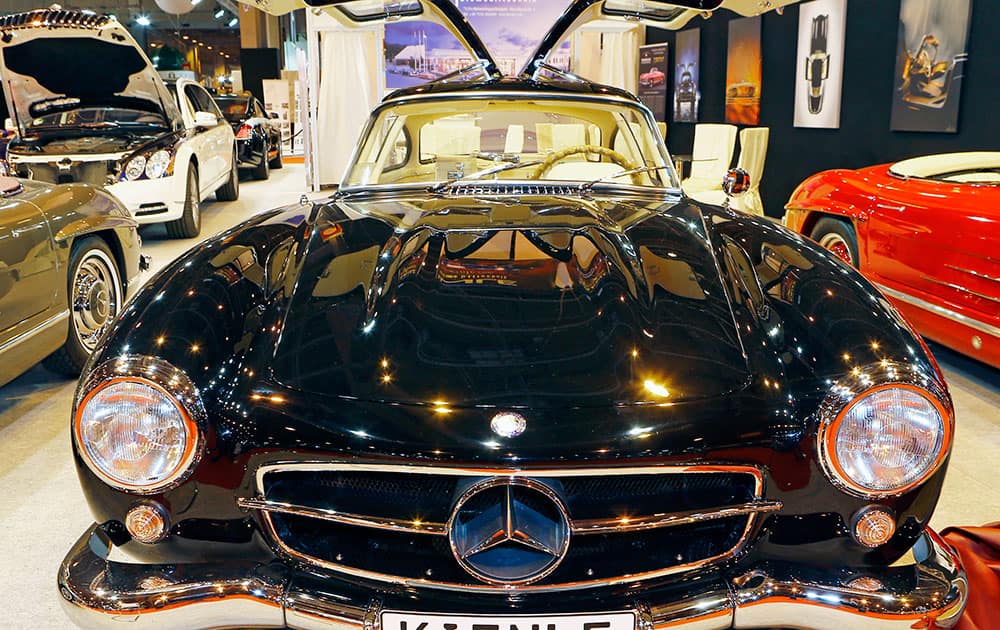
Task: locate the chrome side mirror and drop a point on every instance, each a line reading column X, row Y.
column 735, row 182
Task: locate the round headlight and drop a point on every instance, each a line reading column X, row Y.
column 135, row 435
column 157, row 164
column 886, row 440
column 135, row 167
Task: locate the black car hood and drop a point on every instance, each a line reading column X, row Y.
column 428, row 301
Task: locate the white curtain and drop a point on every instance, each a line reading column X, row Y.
column 348, row 91
column 620, row 59
column 587, row 54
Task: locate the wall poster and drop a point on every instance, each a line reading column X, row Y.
column 653, row 79
column 930, row 62
column 743, row 72
column 417, row 52
column 820, row 65
column 686, row 92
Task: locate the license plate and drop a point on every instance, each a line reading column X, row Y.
column 398, row 620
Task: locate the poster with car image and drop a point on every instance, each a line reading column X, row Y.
column 653, row 80
column 930, row 64
column 686, row 92
column 417, row 52
column 820, row 65
column 743, row 72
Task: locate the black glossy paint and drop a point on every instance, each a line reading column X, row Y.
column 289, row 323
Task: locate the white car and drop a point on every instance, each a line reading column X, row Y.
column 110, row 120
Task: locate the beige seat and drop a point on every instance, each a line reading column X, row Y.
column 753, row 151
column 710, row 159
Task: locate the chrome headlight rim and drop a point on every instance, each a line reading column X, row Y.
column 159, row 164
column 139, row 164
column 865, row 382
column 167, row 380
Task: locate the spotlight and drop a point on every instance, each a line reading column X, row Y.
column 195, row 3
column 233, row 22
column 219, row 14
column 143, row 20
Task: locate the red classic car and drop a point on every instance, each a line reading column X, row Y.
column 926, row 231
column 654, row 77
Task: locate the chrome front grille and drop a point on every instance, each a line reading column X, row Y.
column 41, row 18
column 390, row 523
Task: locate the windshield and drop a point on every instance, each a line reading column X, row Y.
column 234, row 108
column 99, row 117
column 578, row 140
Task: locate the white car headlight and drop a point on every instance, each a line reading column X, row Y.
column 157, row 164
column 135, row 167
column 135, row 435
column 886, row 440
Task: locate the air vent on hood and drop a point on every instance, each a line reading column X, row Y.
column 480, row 189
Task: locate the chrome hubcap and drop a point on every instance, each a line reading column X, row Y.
column 95, row 299
column 194, row 202
column 836, row 244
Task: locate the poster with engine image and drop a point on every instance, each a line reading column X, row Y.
column 930, row 64
column 819, row 69
column 743, row 72
column 686, row 92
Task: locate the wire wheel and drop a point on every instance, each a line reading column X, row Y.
column 96, row 297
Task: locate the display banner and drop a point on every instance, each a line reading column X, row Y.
column 653, row 79
column 743, row 72
column 686, row 92
column 820, row 63
column 279, row 97
column 930, row 64
column 417, row 52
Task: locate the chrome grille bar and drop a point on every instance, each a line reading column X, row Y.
column 345, row 518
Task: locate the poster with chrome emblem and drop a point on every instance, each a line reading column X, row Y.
column 399, row 620
column 820, row 63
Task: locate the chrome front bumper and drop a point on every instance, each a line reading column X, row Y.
column 100, row 593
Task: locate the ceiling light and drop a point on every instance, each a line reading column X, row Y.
column 201, row 43
column 220, row 13
column 210, row 48
column 195, row 3
column 185, row 37
column 233, row 22
column 143, row 20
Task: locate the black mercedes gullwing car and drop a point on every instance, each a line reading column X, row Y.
column 509, row 376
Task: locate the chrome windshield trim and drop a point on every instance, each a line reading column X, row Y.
column 941, row 311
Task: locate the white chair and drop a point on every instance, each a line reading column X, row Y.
column 753, row 151
column 710, row 159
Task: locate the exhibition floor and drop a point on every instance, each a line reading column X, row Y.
column 42, row 511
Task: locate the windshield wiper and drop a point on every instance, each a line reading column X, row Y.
column 586, row 186
column 496, row 168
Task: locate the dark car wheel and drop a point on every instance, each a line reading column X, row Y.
column 189, row 225
column 230, row 191
column 276, row 162
column 837, row 236
column 263, row 170
column 95, row 298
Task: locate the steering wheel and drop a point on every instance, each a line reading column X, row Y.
column 611, row 154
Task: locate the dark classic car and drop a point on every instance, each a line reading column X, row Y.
column 69, row 258
column 90, row 107
column 817, row 63
column 508, row 378
column 258, row 137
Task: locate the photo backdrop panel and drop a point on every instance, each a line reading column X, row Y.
column 687, row 96
column 653, row 63
column 930, row 62
column 820, row 64
column 743, row 72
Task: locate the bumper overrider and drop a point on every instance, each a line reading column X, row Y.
column 101, row 593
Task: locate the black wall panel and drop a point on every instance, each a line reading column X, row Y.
column 259, row 64
column 864, row 137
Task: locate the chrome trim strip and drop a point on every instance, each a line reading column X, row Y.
column 654, row 521
column 345, row 518
column 271, row 531
column 941, row 311
column 959, row 287
column 28, row 334
column 974, row 273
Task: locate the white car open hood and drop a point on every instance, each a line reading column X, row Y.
column 53, row 60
